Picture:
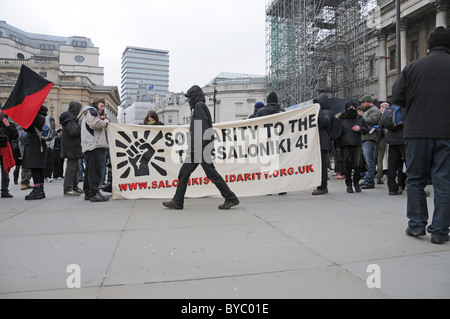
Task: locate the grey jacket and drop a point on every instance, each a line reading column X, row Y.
column 93, row 130
column 372, row 117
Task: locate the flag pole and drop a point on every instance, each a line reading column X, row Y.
column 67, row 93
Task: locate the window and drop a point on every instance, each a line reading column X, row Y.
column 79, row 44
column 169, row 119
column 47, row 47
column 16, row 39
column 392, row 59
column 20, row 56
column 414, row 50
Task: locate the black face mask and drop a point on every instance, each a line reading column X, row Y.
column 351, row 113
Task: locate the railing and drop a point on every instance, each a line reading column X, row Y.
column 13, row 61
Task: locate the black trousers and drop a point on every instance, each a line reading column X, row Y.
column 92, row 171
column 5, row 178
column 395, row 176
column 185, row 172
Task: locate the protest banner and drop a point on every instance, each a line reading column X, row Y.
column 260, row 156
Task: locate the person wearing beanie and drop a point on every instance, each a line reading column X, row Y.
column 423, row 89
column 372, row 116
column 326, row 144
column 257, row 106
column 272, row 106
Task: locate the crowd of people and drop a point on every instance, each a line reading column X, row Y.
column 421, row 144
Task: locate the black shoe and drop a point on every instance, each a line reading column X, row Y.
column 396, row 192
column 107, row 188
column 415, row 232
column 357, row 188
column 229, row 203
column 172, row 204
column 365, row 186
column 98, row 198
column 349, row 189
column 7, row 195
column 78, row 190
column 87, row 197
column 439, row 240
column 35, row 194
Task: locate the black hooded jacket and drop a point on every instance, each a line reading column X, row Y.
column 348, row 120
column 35, row 149
column 201, row 118
column 324, row 122
column 71, row 132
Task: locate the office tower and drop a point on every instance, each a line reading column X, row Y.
column 145, row 75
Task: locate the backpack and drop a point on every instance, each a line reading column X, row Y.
column 48, row 131
column 335, row 129
column 391, row 118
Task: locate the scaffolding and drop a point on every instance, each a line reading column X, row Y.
column 319, row 46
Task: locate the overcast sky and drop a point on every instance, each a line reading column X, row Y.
column 203, row 37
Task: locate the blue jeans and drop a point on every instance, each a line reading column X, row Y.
column 425, row 158
column 370, row 152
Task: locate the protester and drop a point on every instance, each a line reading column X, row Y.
column 105, row 151
column 26, row 172
column 381, row 149
column 423, row 89
column 71, row 148
column 272, row 106
column 8, row 133
column 351, row 155
column 17, row 159
column 152, row 118
column 34, row 156
column 201, row 119
column 57, row 161
column 372, row 117
column 257, row 106
column 326, row 145
column 396, row 178
column 93, row 143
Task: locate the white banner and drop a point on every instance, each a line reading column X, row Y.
column 265, row 155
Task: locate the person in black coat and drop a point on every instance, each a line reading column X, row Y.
column 9, row 133
column 351, row 156
column 423, row 89
column 326, row 145
column 272, row 106
column 34, row 155
column 71, row 148
column 200, row 128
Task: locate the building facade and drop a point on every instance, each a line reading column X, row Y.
column 71, row 63
column 145, row 75
column 229, row 97
column 346, row 48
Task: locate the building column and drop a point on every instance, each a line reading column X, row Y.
column 441, row 7
column 403, row 55
column 382, row 65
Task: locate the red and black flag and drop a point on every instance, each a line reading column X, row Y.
column 29, row 93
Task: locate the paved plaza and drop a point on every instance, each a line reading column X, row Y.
column 291, row 246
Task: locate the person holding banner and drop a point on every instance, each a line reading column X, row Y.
column 201, row 136
column 326, row 145
column 93, row 143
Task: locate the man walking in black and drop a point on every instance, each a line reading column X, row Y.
column 201, row 136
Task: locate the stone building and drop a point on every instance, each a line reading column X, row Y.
column 71, row 63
